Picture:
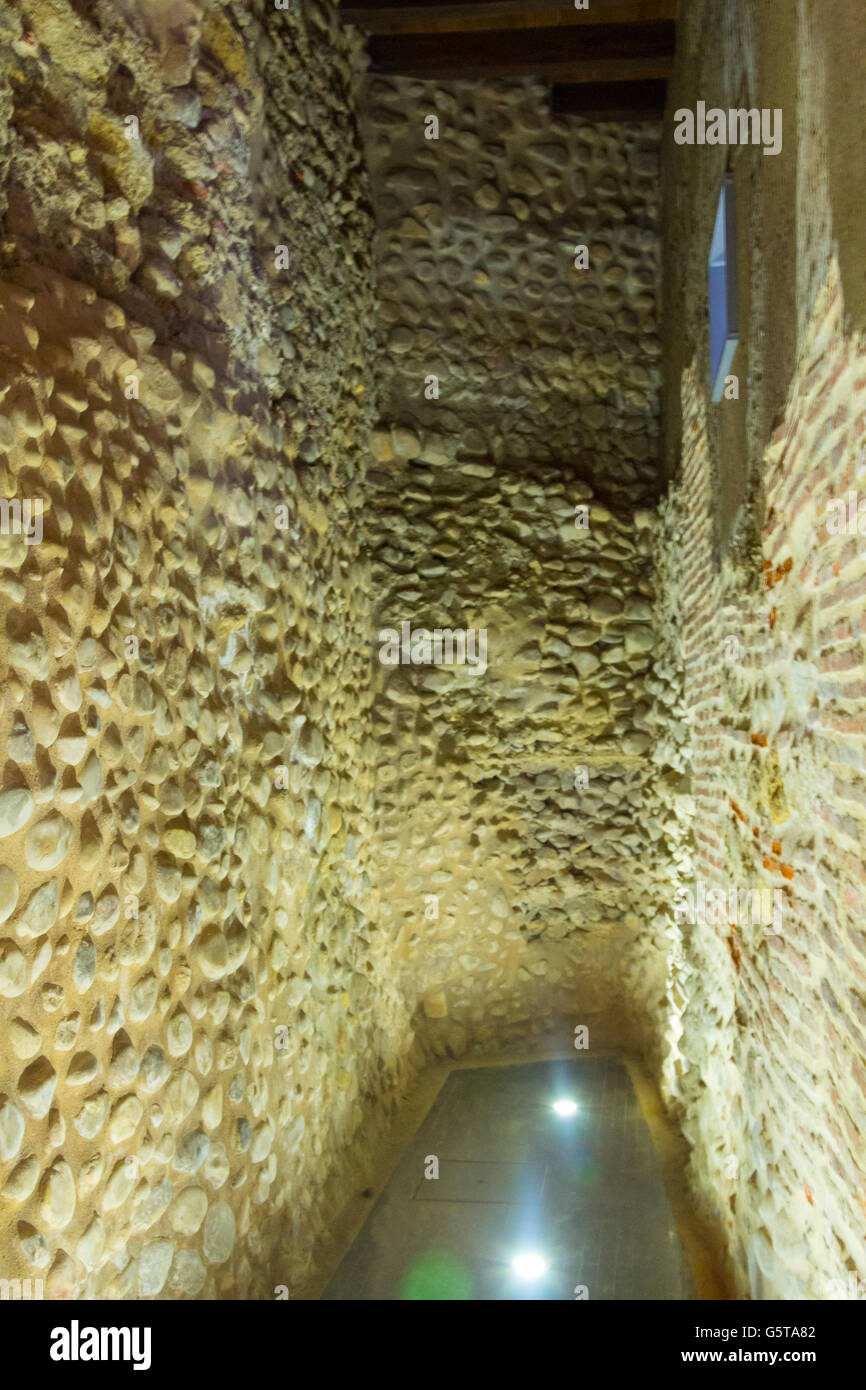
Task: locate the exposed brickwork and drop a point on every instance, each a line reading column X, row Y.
column 772, row 1090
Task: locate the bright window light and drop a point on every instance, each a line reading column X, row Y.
column 724, row 327
column 565, row 1107
column 529, row 1266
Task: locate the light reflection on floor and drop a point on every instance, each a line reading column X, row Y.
column 580, row 1192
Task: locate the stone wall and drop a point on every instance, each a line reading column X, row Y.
column 766, row 1018
column 764, row 1027
column 514, row 795
column 795, row 209
column 252, row 874
column 536, row 360
column 200, row 1018
column 518, row 388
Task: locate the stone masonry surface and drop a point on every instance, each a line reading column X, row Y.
column 765, row 1029
column 198, row 1013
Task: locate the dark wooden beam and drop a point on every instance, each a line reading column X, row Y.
column 603, row 101
column 595, row 53
column 466, row 16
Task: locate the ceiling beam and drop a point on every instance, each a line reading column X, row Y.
column 602, row 101
column 596, row 53
column 466, row 16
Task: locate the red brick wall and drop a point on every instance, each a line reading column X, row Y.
column 772, row 1076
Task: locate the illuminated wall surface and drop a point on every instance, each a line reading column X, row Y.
column 297, row 401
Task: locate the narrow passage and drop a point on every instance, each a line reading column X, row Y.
column 521, row 1186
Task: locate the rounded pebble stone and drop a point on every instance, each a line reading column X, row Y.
column 219, row 1233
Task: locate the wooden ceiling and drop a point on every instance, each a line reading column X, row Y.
column 609, row 62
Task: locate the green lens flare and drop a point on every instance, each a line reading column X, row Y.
column 437, row 1276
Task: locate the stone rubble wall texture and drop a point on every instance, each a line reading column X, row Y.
column 515, row 897
column 214, row 986
column 766, row 1033
column 538, row 361
column 762, row 1043
column 168, row 904
column 538, row 881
